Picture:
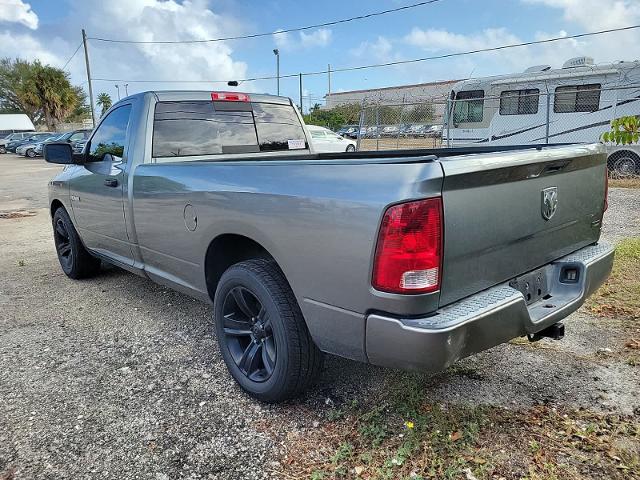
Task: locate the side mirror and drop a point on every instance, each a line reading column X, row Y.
column 61, row 153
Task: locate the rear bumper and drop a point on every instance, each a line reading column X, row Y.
column 485, row 319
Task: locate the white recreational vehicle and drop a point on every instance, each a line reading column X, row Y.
column 574, row 103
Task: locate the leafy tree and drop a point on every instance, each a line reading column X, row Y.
column 333, row 118
column 421, row 113
column 104, row 102
column 624, row 131
column 41, row 91
column 82, row 110
column 15, row 76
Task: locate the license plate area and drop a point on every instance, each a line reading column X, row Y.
column 533, row 286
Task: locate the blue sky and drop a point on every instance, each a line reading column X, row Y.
column 50, row 30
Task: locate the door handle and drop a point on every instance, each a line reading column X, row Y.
column 111, row 182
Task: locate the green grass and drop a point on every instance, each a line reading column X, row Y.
column 405, row 436
column 619, row 297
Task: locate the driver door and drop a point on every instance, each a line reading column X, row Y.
column 97, row 191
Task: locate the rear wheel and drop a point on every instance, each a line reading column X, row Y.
column 75, row 260
column 262, row 335
column 30, row 153
column 351, row 148
column 624, row 164
column 3, row 149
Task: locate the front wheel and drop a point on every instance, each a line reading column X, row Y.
column 30, row 153
column 3, row 149
column 75, row 260
column 351, row 148
column 262, row 334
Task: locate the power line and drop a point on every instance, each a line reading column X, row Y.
column 71, row 58
column 389, row 64
column 266, row 34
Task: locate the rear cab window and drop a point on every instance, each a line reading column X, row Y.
column 207, row 128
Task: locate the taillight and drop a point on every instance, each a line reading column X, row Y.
column 229, row 97
column 408, row 255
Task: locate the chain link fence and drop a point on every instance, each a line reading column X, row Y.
column 571, row 114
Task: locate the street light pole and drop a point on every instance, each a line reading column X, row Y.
column 126, row 89
column 118, row 89
column 276, row 52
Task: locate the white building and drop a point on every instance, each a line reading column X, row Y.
column 433, row 92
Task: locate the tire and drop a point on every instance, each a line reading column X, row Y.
column 351, row 148
column 623, row 164
column 262, row 334
column 3, row 149
column 75, row 260
column 30, row 153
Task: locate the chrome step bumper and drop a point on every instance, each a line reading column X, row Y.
column 485, row 319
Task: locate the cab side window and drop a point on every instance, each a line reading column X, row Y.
column 111, row 135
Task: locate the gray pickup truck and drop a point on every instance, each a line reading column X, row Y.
column 405, row 259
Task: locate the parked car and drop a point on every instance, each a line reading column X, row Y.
column 77, row 139
column 434, row 131
column 324, row 140
column 14, row 126
column 371, row 132
column 33, row 138
column 390, row 131
column 417, row 130
column 12, row 137
column 39, row 146
column 303, row 253
column 30, row 149
column 349, row 131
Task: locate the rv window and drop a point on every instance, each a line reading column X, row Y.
column 519, row 102
column 577, row 98
column 468, row 106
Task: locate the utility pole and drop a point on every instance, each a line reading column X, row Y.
column 301, row 109
column 329, row 76
column 86, row 60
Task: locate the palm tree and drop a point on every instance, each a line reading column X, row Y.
column 48, row 89
column 104, row 102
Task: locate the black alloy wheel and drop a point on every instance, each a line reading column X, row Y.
column 62, row 239
column 249, row 334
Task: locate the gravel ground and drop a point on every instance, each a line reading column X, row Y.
column 116, row 377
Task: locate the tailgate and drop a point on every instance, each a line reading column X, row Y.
column 495, row 209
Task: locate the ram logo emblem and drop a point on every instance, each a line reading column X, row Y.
column 549, row 202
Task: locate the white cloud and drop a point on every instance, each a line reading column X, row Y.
column 381, row 49
column 16, row 11
column 437, row 39
column 317, row 38
column 596, row 14
column 282, row 39
column 26, row 47
column 137, row 20
column 603, row 48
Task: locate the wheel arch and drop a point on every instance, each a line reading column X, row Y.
column 55, row 205
column 226, row 250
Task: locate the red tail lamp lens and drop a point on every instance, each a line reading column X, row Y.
column 408, row 255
